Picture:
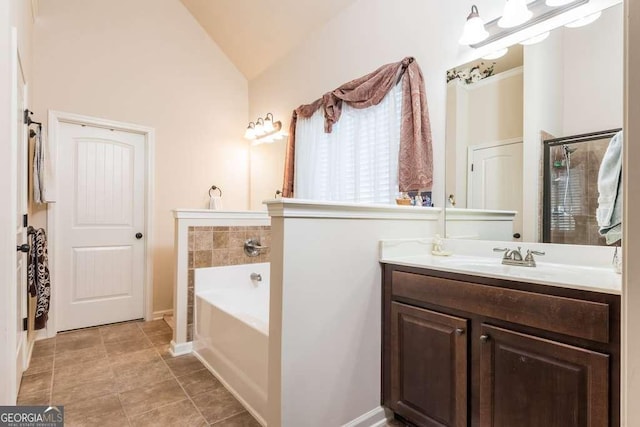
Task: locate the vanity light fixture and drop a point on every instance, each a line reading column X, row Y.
column 497, row 54
column 474, row 31
column 265, row 130
column 515, row 13
column 584, row 21
column 536, row 39
column 554, row 3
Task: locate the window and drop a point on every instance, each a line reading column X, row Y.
column 357, row 161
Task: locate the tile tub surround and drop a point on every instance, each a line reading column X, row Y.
column 206, row 238
column 217, row 246
column 123, row 375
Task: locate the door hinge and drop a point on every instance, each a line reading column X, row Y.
column 471, row 167
column 25, row 220
column 24, row 324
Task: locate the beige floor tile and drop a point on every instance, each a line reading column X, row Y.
column 160, row 338
column 83, row 391
column 217, row 405
column 124, row 347
column 243, row 419
column 44, row 348
column 154, row 327
column 39, row 397
column 179, row 414
column 95, row 354
column 184, row 365
column 121, row 332
column 40, row 364
column 152, row 373
column 146, row 398
column 77, row 340
column 36, row 382
column 199, row 382
column 83, row 381
column 164, row 351
column 102, row 411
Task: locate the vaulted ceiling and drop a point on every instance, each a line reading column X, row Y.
column 256, row 33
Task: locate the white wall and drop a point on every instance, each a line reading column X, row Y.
column 594, row 75
column 326, row 309
column 149, row 62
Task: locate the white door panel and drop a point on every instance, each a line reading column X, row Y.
column 100, row 209
column 22, row 147
column 495, row 181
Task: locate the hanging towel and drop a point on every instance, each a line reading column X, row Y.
column 38, row 277
column 609, row 212
column 42, row 176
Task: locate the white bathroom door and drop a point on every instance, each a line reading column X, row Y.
column 22, row 150
column 100, row 213
column 495, row 180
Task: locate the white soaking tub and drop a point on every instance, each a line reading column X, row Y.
column 232, row 330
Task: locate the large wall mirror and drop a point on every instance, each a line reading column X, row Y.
column 527, row 134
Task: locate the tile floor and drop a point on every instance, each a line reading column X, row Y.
column 123, row 375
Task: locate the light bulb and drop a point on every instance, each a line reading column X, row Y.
column 268, row 123
column 497, row 54
column 474, row 31
column 260, row 128
column 515, row 13
column 585, row 20
column 250, row 133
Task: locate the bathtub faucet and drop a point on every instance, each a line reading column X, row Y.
column 252, row 247
column 256, row 277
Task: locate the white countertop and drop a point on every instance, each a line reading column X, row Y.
column 587, row 269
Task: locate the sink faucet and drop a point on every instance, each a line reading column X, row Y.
column 514, row 257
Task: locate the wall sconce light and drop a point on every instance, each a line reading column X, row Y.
column 528, row 23
column 474, row 31
column 264, row 130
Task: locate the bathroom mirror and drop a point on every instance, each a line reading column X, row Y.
column 526, row 134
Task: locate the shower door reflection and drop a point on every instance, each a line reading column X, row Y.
column 570, row 196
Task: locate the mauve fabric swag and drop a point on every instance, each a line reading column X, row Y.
column 415, row 159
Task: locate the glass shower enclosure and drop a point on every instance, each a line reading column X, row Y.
column 570, row 196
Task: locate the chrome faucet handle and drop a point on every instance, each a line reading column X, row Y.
column 505, row 250
column 531, row 253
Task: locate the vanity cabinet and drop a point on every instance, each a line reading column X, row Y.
column 462, row 350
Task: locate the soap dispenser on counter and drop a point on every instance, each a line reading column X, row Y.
column 437, row 247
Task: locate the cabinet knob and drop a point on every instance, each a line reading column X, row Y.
column 484, row 338
column 459, row 331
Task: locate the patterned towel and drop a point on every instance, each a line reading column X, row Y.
column 38, row 277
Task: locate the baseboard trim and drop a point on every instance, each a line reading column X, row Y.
column 231, row 390
column 157, row 315
column 375, row 418
column 180, row 349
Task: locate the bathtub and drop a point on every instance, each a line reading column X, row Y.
column 232, row 330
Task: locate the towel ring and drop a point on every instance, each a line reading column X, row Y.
column 213, row 187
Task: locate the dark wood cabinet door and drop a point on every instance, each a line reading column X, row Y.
column 428, row 366
column 527, row 381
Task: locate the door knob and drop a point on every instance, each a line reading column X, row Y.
column 485, row 338
column 516, row 235
column 23, row 248
column 459, row 331
column 138, row 236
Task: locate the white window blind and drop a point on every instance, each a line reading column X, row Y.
column 357, row 161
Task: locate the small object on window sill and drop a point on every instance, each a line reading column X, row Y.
column 404, row 200
column 437, row 247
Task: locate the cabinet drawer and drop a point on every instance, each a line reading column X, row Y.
column 568, row 316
